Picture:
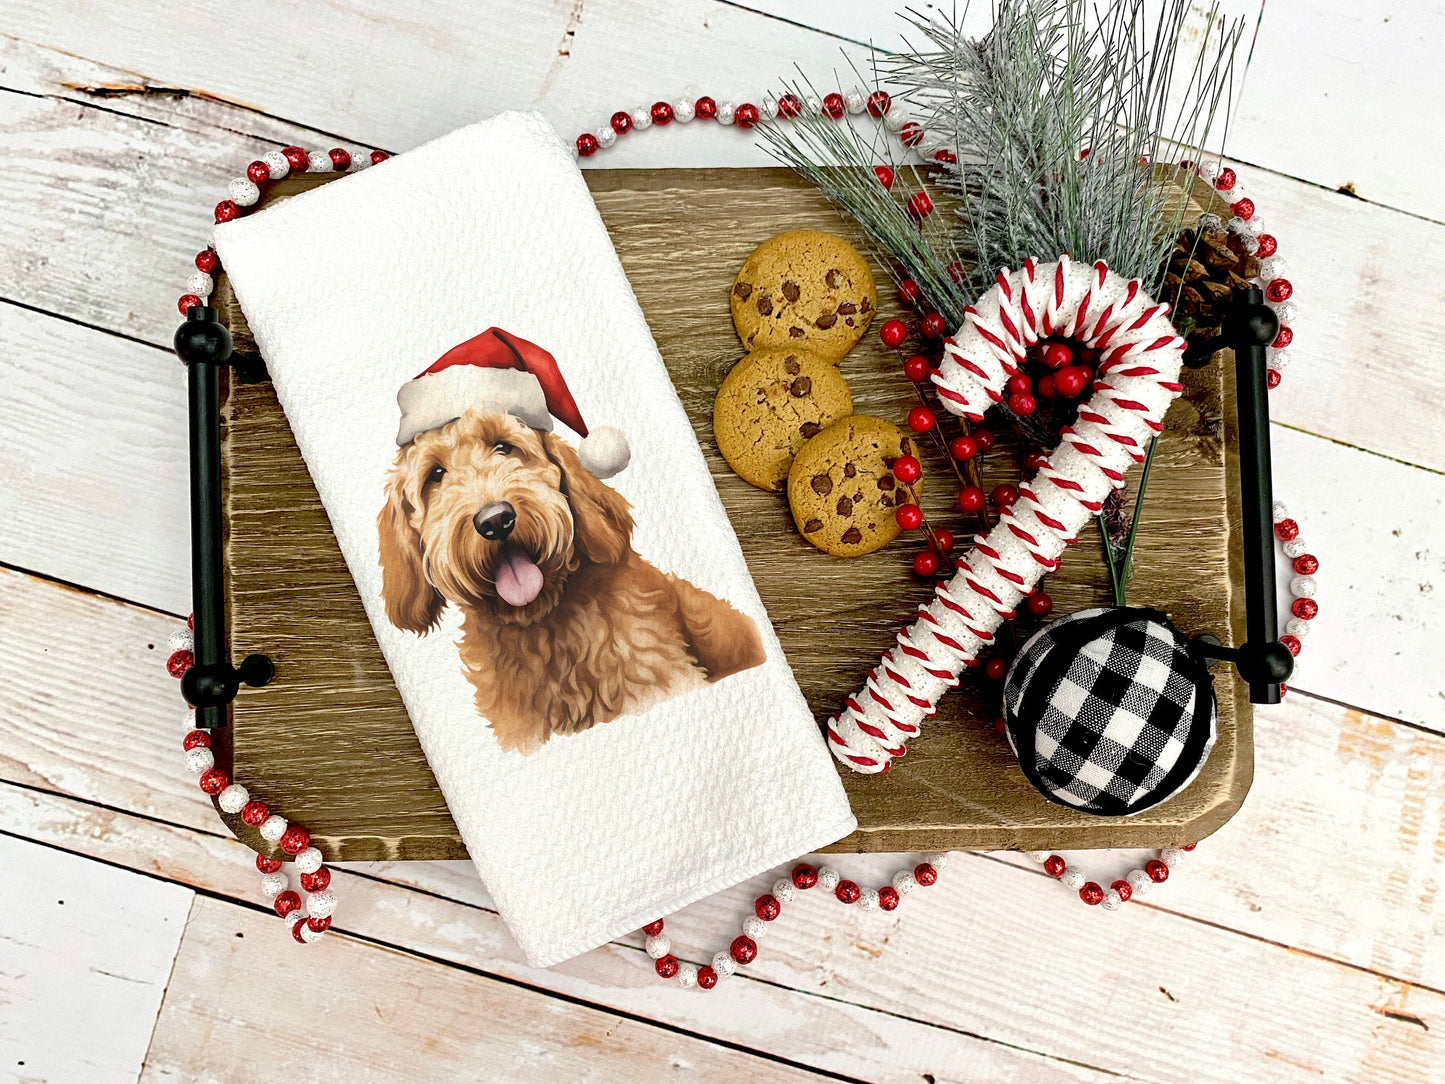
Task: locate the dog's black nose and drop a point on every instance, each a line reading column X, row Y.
column 495, row 521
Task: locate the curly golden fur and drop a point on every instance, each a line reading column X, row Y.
column 607, row 635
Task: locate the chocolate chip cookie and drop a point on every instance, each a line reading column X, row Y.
column 768, row 407
column 804, row 288
column 841, row 486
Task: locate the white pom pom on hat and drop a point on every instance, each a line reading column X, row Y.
column 499, row 367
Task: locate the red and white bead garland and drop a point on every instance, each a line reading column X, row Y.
column 1137, row 882
column 292, row 839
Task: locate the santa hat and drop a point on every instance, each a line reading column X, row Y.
column 520, row 377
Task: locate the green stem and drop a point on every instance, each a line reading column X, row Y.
column 1109, row 560
column 1128, row 563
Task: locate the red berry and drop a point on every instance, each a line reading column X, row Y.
column 1005, row 496
column 746, row 115
column 207, row 261
column 925, row 563
column 1022, row 405
column 947, row 157
column 995, row 668
column 916, row 368
column 1040, row 604
column 955, row 271
column 963, row 448
column 378, row 157
column 661, row 113
column 925, row 874
column 921, row 419
column 933, row 325
column 884, row 175
column 317, row 881
column 254, row 813
column 804, row 876
column 1244, row 209
column 1291, row 642
column 906, row 468
column 984, row 438
column 187, row 302
column 1035, row 461
column 1271, row 378
column 1307, row 564
column 213, row 781
column 706, row 977
column 847, row 892
column 1284, row 338
column 1265, row 245
column 1069, row 381
column 833, row 105
column 1158, row 872
column 621, row 122
column 911, row 134
column 1000, row 726
column 227, row 210
column 1278, row 290
column 943, row 540
column 744, row 950
column 196, row 738
column 970, row 499
column 909, row 516
column 1124, row 888
column 887, row 898
column 268, row 865
column 1019, row 384
column 340, row 159
column 666, row 966
column 908, row 291
column 1286, row 530
column 767, row 907
column 705, row 108
column 1225, row 180
column 296, row 158
column 179, row 662
column 295, row 840
column 893, row 333
column 919, row 205
column 652, row 929
column 878, row 103
column 1057, row 355
column 587, row 144
column 1304, row 608
column 258, row 172
column 1054, row 866
column 286, row 902
column 1091, row 894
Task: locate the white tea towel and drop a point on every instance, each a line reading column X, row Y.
column 578, row 642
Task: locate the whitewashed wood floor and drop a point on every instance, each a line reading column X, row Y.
column 1304, row 942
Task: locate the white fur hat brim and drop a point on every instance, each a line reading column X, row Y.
column 434, row 399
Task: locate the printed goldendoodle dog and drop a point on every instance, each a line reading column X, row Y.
column 564, row 625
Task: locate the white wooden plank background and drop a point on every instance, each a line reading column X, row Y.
column 1302, row 942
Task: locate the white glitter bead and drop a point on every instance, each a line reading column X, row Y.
column 242, row 191
column 1039, row 856
column 856, row 101
column 1272, row 267
column 309, row 860
column 1209, row 222
column 897, row 117
column 769, row 108
column 200, row 284
column 1302, row 587
column 1297, row 627
column 1140, row 882
column 687, row 975
column 642, row 118
column 273, row 884
column 321, row 904
column 1285, row 310
column 828, row 878
column 318, row 161
column 1277, row 359
column 233, row 798
column 606, row 136
column 1072, row 878
column 273, row 828
column 927, row 145
column 309, row 935
column 723, row 964
column 754, row 927
column 1247, row 230
column 199, row 759
column 360, row 160
column 184, row 640
column 783, row 889
column 1209, row 171
column 903, row 882
column 277, row 164
column 659, row 946
column 812, row 106
column 682, row 110
column 1172, row 856
column 1280, row 511
column 1295, row 547
column 188, row 720
column 938, row 860
column 725, row 112
column 1111, row 901
column 869, row 900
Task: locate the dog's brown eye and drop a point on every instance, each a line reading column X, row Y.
column 435, row 474
column 502, row 448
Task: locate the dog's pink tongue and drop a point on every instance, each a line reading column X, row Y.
column 519, row 580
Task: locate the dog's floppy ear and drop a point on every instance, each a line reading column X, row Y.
column 602, row 519
column 411, row 602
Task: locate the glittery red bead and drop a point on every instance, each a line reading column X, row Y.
column 909, row 516
column 1005, row 496
column 621, row 122
column 1286, row 530
column 319, row 925
column 908, row 292
column 921, row 419
column 916, row 368
column 910, row 134
column 746, row 115
column 661, row 113
column 1189, row 846
column 919, row 205
column 1304, row 608
column 179, row 662
column 316, row 882
column 887, row 898
column 970, row 499
column 268, row 865
column 196, row 738
column 295, row 840
column 377, row 157
column 340, row 159
column 705, row 108
column 947, row 157
column 1283, row 688
column 906, row 468
column 652, row 929
column 666, row 966
column 789, row 106
column 1158, row 872
column 587, row 144
column 1054, row 866
column 767, row 907
column 995, row 668
column 985, row 439
column 1278, row 290
column 1291, row 642
column 1040, row 604
column 1271, row 378
column 879, row 103
column 207, row 261
column 847, row 892
column 1124, row 888
column 254, row 813
column 1091, row 894
column 213, row 781
column 925, row 874
column 187, row 302
column 1226, row 179
column 1284, row 338
column 926, row 562
column 1265, row 245
column 227, row 210
column 258, row 172
column 944, row 540
column 296, row 158
column 706, row 977
column 884, row 175
column 893, row 332
column 286, row 902
column 744, row 950
column 1307, row 564
column 804, row 876
column 932, row 325
column 963, row 448
column 1243, row 209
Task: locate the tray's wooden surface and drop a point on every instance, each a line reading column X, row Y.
column 329, row 742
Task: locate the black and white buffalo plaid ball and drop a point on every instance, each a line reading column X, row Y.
column 1109, row 711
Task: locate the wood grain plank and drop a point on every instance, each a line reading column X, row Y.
column 85, row 953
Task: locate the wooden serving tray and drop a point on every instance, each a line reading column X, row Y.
column 329, row 744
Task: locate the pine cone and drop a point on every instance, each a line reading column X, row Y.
column 1203, row 274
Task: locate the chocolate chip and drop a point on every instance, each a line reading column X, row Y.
column 852, row 536
column 847, row 309
column 822, row 485
column 802, row 386
column 864, row 306
column 790, row 363
column 849, row 470
column 906, row 445
column 796, row 332
column 885, row 482
column 762, row 396
column 885, row 500
column 849, row 322
column 812, row 525
column 810, row 429
column 858, row 495
column 834, row 278
column 827, row 320
column 791, row 291
column 845, row 506
column 765, row 305
column 743, row 290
